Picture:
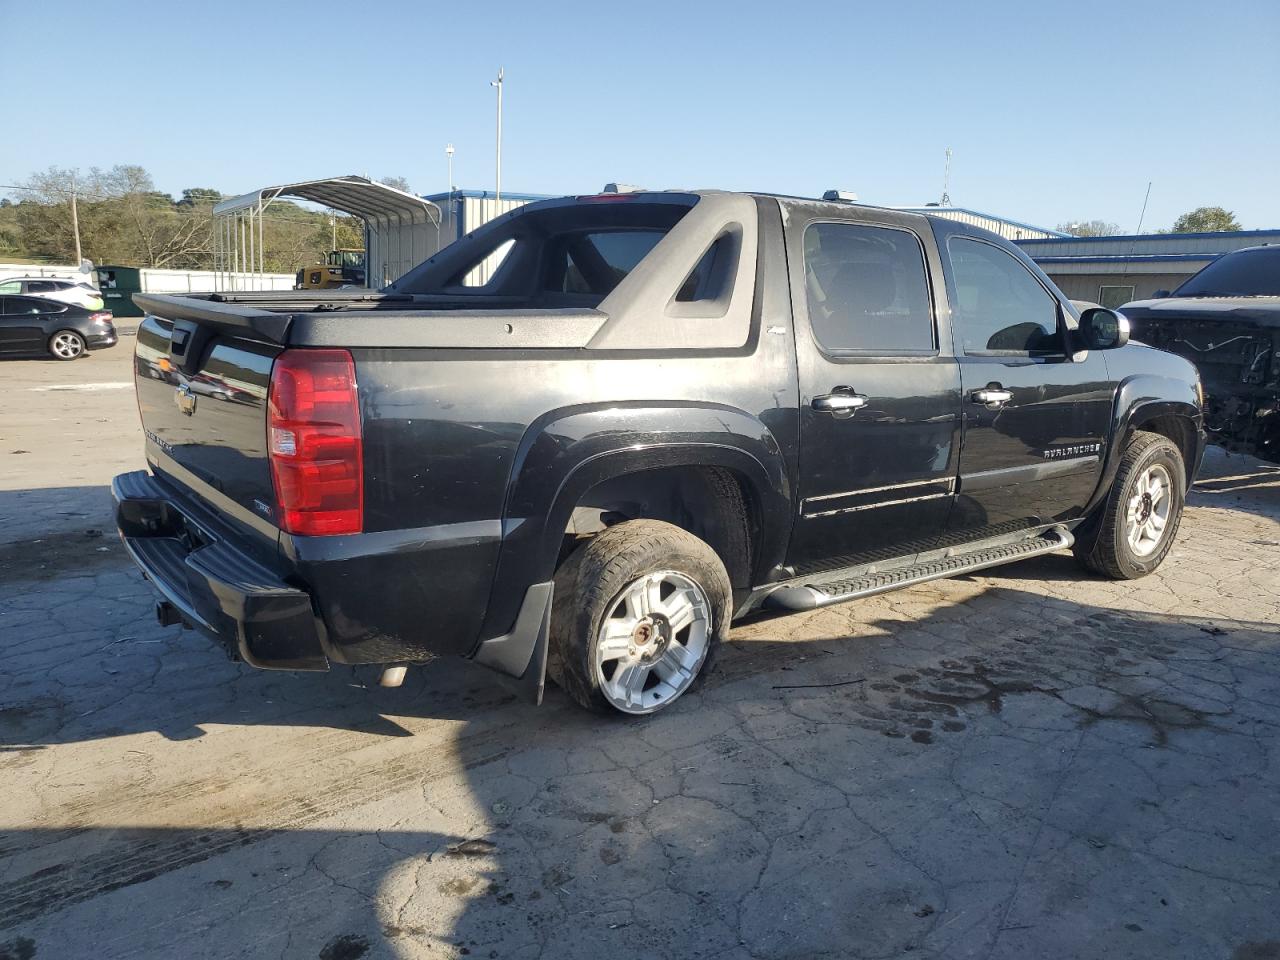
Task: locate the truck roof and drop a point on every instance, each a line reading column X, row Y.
column 671, row 195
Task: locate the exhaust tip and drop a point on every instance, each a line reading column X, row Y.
column 392, row 676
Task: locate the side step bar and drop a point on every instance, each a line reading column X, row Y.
column 831, row 588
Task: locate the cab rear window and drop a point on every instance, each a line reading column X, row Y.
column 595, row 263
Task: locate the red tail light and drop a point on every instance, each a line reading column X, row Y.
column 314, row 443
column 101, row 316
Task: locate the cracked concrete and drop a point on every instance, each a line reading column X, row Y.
column 1031, row 762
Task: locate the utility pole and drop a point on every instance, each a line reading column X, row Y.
column 75, row 219
column 448, row 152
column 497, row 193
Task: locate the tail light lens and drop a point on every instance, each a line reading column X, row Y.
column 102, row 316
column 314, row 443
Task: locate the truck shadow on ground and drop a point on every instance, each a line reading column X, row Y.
column 852, row 790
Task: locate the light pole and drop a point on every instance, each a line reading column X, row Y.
column 448, row 152
column 497, row 193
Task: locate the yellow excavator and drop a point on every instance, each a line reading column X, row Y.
column 342, row 267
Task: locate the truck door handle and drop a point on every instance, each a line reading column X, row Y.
column 992, row 396
column 840, row 405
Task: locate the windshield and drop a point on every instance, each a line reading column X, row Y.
column 1245, row 273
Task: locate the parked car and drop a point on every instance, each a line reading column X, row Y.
column 1226, row 320
column 76, row 292
column 662, row 411
column 34, row 325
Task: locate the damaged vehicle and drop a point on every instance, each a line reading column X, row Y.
column 1226, row 320
column 660, row 412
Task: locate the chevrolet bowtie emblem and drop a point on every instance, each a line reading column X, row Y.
column 185, row 399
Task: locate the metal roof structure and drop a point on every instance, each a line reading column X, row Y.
column 489, row 195
column 351, row 194
column 401, row 230
column 1009, row 229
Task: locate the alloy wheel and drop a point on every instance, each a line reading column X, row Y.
column 653, row 642
column 66, row 345
column 1148, row 510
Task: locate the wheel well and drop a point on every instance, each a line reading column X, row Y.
column 712, row 503
column 1178, row 429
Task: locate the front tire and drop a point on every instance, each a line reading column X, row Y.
column 66, row 345
column 1139, row 521
column 638, row 612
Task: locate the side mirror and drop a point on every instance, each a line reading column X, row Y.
column 1159, row 294
column 1103, row 329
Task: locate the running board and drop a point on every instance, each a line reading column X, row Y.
column 831, row 588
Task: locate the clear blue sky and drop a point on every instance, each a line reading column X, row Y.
column 1054, row 110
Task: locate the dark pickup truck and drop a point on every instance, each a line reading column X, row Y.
column 585, row 437
column 1226, row 320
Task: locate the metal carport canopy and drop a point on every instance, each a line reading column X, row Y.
column 398, row 225
column 358, row 195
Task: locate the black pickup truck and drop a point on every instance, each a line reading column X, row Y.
column 585, row 437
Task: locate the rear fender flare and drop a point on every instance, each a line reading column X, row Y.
column 566, row 453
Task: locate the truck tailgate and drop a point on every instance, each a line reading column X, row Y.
column 204, row 413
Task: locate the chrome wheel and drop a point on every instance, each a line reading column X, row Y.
column 1148, row 510
column 653, row 641
column 66, row 345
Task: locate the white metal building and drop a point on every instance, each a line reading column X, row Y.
column 1003, row 226
column 462, row 211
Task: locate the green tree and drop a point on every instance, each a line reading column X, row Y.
column 1089, row 228
column 1206, row 220
column 192, row 196
column 122, row 219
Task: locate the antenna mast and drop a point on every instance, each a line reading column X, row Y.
column 1143, row 215
column 946, row 181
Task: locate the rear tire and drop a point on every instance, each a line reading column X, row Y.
column 638, row 612
column 1136, row 527
column 66, row 345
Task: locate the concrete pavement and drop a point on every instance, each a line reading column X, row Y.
column 1029, row 763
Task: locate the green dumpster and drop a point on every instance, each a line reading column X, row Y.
column 118, row 285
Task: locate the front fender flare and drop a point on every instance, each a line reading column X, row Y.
column 1140, row 399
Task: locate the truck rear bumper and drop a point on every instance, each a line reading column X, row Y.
column 214, row 587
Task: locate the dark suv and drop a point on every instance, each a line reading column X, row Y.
column 1226, row 320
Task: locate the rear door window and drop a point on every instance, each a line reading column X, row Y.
column 867, row 289
column 41, row 286
column 23, row 306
